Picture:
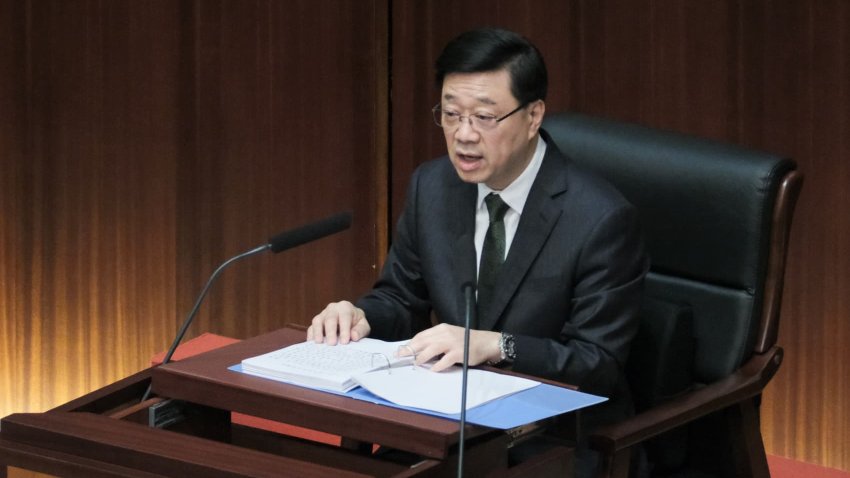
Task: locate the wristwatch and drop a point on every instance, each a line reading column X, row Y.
column 507, row 348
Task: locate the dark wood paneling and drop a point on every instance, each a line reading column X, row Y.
column 89, row 262
column 801, row 77
column 12, row 116
column 145, row 142
column 765, row 74
column 285, row 132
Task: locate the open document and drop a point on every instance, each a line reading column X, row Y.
column 327, row 367
column 374, row 365
column 369, row 370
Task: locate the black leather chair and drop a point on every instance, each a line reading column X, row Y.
column 716, row 219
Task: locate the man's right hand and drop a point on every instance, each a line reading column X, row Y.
column 340, row 322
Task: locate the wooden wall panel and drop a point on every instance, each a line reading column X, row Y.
column 12, row 89
column 805, row 111
column 285, row 116
column 765, row 74
column 143, row 143
column 88, row 157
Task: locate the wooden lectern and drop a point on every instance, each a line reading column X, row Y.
column 186, row 430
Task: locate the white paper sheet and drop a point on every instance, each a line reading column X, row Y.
column 418, row 387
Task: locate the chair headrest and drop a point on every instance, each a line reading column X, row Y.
column 705, row 206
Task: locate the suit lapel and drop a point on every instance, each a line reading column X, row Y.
column 539, row 216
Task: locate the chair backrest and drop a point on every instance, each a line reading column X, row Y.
column 708, row 212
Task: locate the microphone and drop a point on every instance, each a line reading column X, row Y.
column 279, row 243
column 310, row 232
column 468, row 289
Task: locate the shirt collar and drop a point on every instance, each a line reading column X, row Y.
column 516, row 193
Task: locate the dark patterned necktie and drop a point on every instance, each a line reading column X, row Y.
column 492, row 253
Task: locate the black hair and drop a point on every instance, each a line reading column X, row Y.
column 493, row 49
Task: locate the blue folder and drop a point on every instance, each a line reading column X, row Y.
column 535, row 404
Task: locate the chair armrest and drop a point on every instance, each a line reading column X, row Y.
column 746, row 382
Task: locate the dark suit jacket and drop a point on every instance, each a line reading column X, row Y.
column 569, row 289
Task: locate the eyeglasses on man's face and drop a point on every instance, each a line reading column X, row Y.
column 450, row 119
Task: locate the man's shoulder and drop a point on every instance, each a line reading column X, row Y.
column 581, row 185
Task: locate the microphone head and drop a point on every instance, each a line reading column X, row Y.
column 310, row 232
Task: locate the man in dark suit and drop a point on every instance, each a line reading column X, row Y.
column 560, row 300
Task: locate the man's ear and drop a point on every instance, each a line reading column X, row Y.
column 538, row 109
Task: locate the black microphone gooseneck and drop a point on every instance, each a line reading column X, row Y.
column 469, row 300
column 279, row 243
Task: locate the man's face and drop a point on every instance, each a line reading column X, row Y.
column 496, row 156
